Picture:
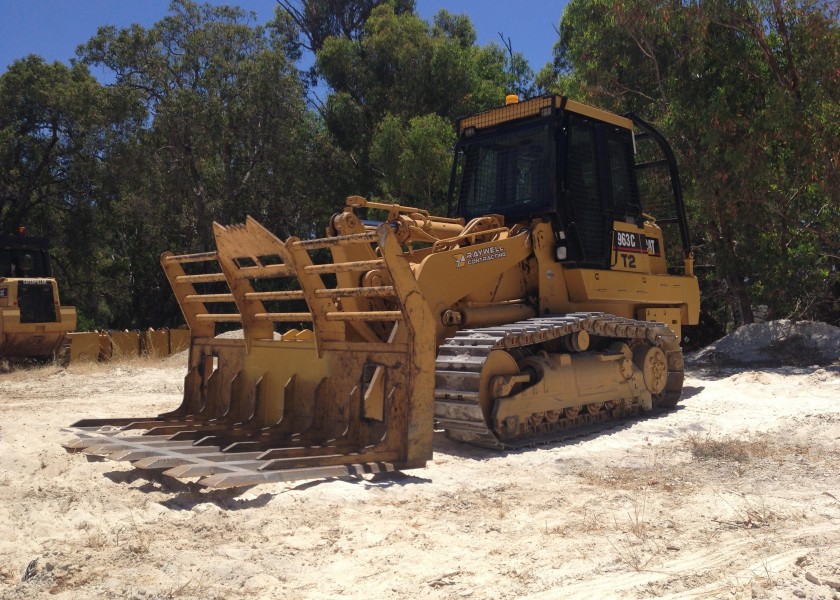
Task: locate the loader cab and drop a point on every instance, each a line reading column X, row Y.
column 24, row 256
column 556, row 160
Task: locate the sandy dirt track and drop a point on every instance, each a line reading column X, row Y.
column 736, row 494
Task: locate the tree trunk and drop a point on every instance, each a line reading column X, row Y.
column 740, row 300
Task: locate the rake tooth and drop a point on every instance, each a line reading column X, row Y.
column 160, row 462
column 140, row 452
column 105, row 448
column 84, row 442
column 231, row 457
column 211, row 468
column 230, row 480
column 200, row 433
column 133, row 455
column 376, row 467
column 150, row 441
column 206, row 457
column 77, row 444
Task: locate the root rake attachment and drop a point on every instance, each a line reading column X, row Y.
column 342, row 397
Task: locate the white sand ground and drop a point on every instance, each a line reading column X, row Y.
column 736, row 494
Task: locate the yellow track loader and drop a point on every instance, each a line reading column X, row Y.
column 33, row 324
column 550, row 301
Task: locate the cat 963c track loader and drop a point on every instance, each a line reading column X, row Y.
column 552, row 300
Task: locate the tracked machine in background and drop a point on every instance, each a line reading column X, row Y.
column 551, row 301
column 33, row 324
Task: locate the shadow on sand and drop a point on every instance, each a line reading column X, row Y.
column 187, row 495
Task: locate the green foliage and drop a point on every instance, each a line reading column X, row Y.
column 50, row 133
column 208, row 119
column 748, row 93
column 58, row 126
column 396, row 89
column 415, row 159
column 227, row 134
column 318, row 20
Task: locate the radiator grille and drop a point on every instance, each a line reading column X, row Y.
column 36, row 303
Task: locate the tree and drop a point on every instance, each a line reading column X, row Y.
column 226, row 134
column 51, row 132
column 394, row 84
column 415, row 159
column 520, row 75
column 747, row 91
column 318, row 20
column 58, row 129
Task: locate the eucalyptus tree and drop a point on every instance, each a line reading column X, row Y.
column 59, row 128
column 226, row 133
column 396, row 89
column 52, row 131
column 318, row 20
column 749, row 93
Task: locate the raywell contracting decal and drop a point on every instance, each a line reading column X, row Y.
column 474, row 257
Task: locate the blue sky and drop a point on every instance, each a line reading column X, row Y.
column 53, row 28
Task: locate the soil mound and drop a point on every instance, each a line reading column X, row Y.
column 773, row 344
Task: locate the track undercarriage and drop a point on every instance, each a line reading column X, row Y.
column 492, row 388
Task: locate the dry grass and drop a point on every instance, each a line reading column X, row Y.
column 636, row 522
column 579, row 520
column 750, row 511
column 131, row 360
column 759, row 447
column 95, row 539
column 20, row 369
column 191, row 588
column 657, row 471
column 128, row 534
column 633, row 540
column 133, row 535
column 23, row 370
column 732, row 449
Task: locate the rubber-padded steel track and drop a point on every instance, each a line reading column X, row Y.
column 461, row 359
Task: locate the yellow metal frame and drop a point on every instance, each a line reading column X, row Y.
column 20, row 340
column 532, row 108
